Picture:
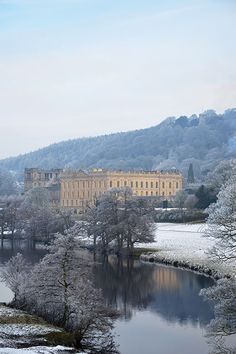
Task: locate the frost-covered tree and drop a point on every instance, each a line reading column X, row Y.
column 120, row 220
column 66, row 218
column 37, row 197
column 180, row 199
column 136, row 223
column 190, row 201
column 38, row 217
column 10, row 218
column 60, row 289
column 222, row 222
column 220, row 176
column 222, row 227
column 14, row 274
column 222, row 329
column 8, row 184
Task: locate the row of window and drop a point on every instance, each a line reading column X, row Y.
column 87, row 195
column 84, row 184
column 118, row 184
column 80, row 194
column 141, row 184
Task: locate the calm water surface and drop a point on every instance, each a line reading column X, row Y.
column 161, row 311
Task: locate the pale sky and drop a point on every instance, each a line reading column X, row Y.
column 74, row 68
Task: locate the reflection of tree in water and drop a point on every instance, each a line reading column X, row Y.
column 183, row 303
column 10, row 249
column 126, row 284
column 129, row 285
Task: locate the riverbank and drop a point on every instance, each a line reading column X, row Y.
column 22, row 333
column 185, row 246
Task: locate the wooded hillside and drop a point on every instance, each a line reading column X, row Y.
column 176, row 142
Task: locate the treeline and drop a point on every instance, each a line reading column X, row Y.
column 202, row 140
column 31, row 217
column 118, row 220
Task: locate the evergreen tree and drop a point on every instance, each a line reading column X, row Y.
column 205, row 197
column 191, row 178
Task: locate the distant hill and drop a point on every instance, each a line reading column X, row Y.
column 203, row 140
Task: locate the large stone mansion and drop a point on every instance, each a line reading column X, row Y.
column 80, row 189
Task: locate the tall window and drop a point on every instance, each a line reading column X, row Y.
column 151, row 184
column 132, row 184
column 177, row 185
column 163, row 185
column 156, row 184
column 110, row 184
column 141, row 184
column 169, row 184
column 118, row 184
column 136, row 184
column 146, row 184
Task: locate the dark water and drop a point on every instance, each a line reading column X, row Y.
column 161, row 311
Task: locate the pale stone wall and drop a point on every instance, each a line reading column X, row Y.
column 80, row 190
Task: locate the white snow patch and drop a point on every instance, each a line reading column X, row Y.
column 187, row 243
column 25, row 330
column 38, row 350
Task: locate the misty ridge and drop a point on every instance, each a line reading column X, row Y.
column 202, row 140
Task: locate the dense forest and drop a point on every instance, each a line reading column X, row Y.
column 202, row 140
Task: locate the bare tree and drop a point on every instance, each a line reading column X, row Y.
column 60, row 289
column 120, row 220
column 14, row 274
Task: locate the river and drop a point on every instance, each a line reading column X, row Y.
column 161, row 310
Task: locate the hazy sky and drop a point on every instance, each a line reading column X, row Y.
column 73, row 68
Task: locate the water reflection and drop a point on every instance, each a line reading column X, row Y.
column 129, row 286
column 10, row 249
column 156, row 303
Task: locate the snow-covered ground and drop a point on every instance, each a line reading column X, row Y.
column 186, row 243
column 19, row 329
column 38, row 350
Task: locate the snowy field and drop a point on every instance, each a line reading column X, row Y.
column 186, row 242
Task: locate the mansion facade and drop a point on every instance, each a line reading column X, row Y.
column 80, row 190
